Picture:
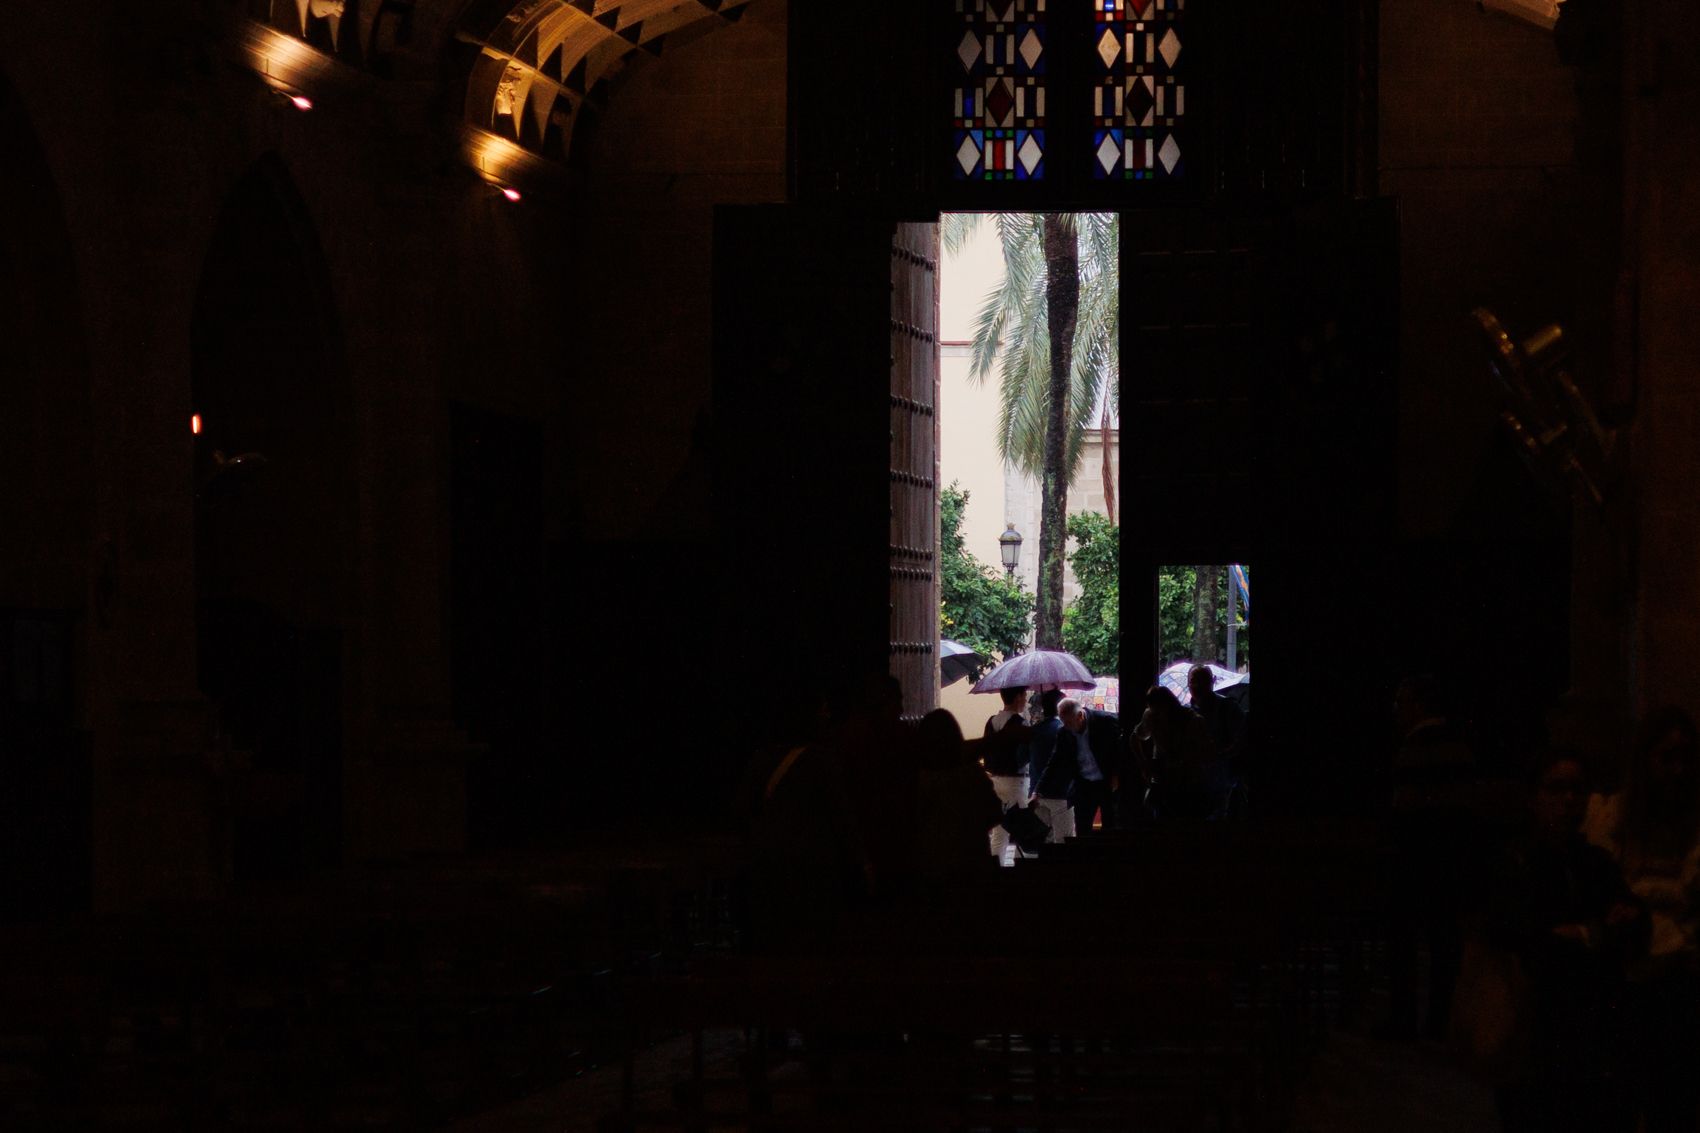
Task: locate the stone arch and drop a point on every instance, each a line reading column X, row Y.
column 47, row 510
column 274, row 517
column 45, row 405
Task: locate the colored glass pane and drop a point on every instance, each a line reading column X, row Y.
column 1139, row 96
column 998, row 111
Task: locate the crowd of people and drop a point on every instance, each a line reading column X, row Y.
column 1076, row 769
column 1562, row 921
column 852, row 802
column 1560, row 918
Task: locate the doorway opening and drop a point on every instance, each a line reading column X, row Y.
column 1204, row 619
column 273, row 520
column 1029, row 469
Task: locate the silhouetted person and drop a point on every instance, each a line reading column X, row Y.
column 1050, row 787
column 1562, row 908
column 1006, row 759
column 877, row 753
column 1652, row 828
column 1178, row 759
column 796, row 721
column 957, row 803
column 808, row 861
column 1224, row 719
column 1437, row 850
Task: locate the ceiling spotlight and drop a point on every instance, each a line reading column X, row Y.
column 301, row 102
column 510, row 192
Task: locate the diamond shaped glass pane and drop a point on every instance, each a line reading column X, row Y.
column 1032, row 47
column 969, row 51
column 1030, row 154
column 1170, row 154
column 1109, row 46
column 1170, row 48
column 1109, row 152
column 967, row 154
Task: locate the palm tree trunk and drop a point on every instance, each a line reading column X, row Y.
column 1062, row 297
column 1109, row 467
column 1204, row 629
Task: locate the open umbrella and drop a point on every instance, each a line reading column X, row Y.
column 1042, row 668
column 956, row 661
column 1174, row 679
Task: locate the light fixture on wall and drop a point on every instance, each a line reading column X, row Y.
column 1551, row 420
column 195, row 424
column 1009, row 546
column 229, row 477
column 1541, row 13
column 287, row 65
column 510, row 170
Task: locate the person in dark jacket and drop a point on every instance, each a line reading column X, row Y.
column 1006, row 759
column 1562, row 907
column 1439, row 848
column 1227, row 724
column 1087, row 753
column 1050, row 787
column 1176, row 757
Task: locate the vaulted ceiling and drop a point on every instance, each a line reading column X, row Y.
column 540, row 61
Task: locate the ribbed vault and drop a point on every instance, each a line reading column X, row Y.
column 540, row 61
column 356, row 32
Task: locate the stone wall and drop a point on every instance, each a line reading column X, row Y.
column 1662, row 191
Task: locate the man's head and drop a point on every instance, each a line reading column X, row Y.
column 873, row 695
column 1073, row 715
column 1201, row 683
column 1416, row 700
column 1014, row 699
column 1561, row 793
column 1049, row 701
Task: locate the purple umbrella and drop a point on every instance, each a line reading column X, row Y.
column 1042, row 668
column 1174, row 679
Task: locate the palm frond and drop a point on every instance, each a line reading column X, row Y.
column 957, row 228
column 1012, row 337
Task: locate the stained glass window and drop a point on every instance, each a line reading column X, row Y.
column 999, row 111
column 1139, row 100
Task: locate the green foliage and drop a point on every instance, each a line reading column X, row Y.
column 1177, row 596
column 982, row 611
column 1092, row 623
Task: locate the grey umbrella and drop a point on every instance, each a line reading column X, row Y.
column 956, row 661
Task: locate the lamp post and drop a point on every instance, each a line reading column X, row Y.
column 1009, row 546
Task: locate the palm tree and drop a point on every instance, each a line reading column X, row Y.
column 1050, row 327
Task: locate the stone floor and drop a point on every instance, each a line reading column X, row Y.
column 1356, row 1085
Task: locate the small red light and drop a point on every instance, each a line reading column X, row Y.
column 301, row 102
column 195, row 424
column 511, row 193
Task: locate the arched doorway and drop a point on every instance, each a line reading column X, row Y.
column 273, row 523
column 47, row 492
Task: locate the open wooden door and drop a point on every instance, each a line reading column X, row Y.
column 1258, row 403
column 826, row 337
column 803, row 346
column 915, row 465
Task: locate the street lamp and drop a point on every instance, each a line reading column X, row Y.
column 1009, row 546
